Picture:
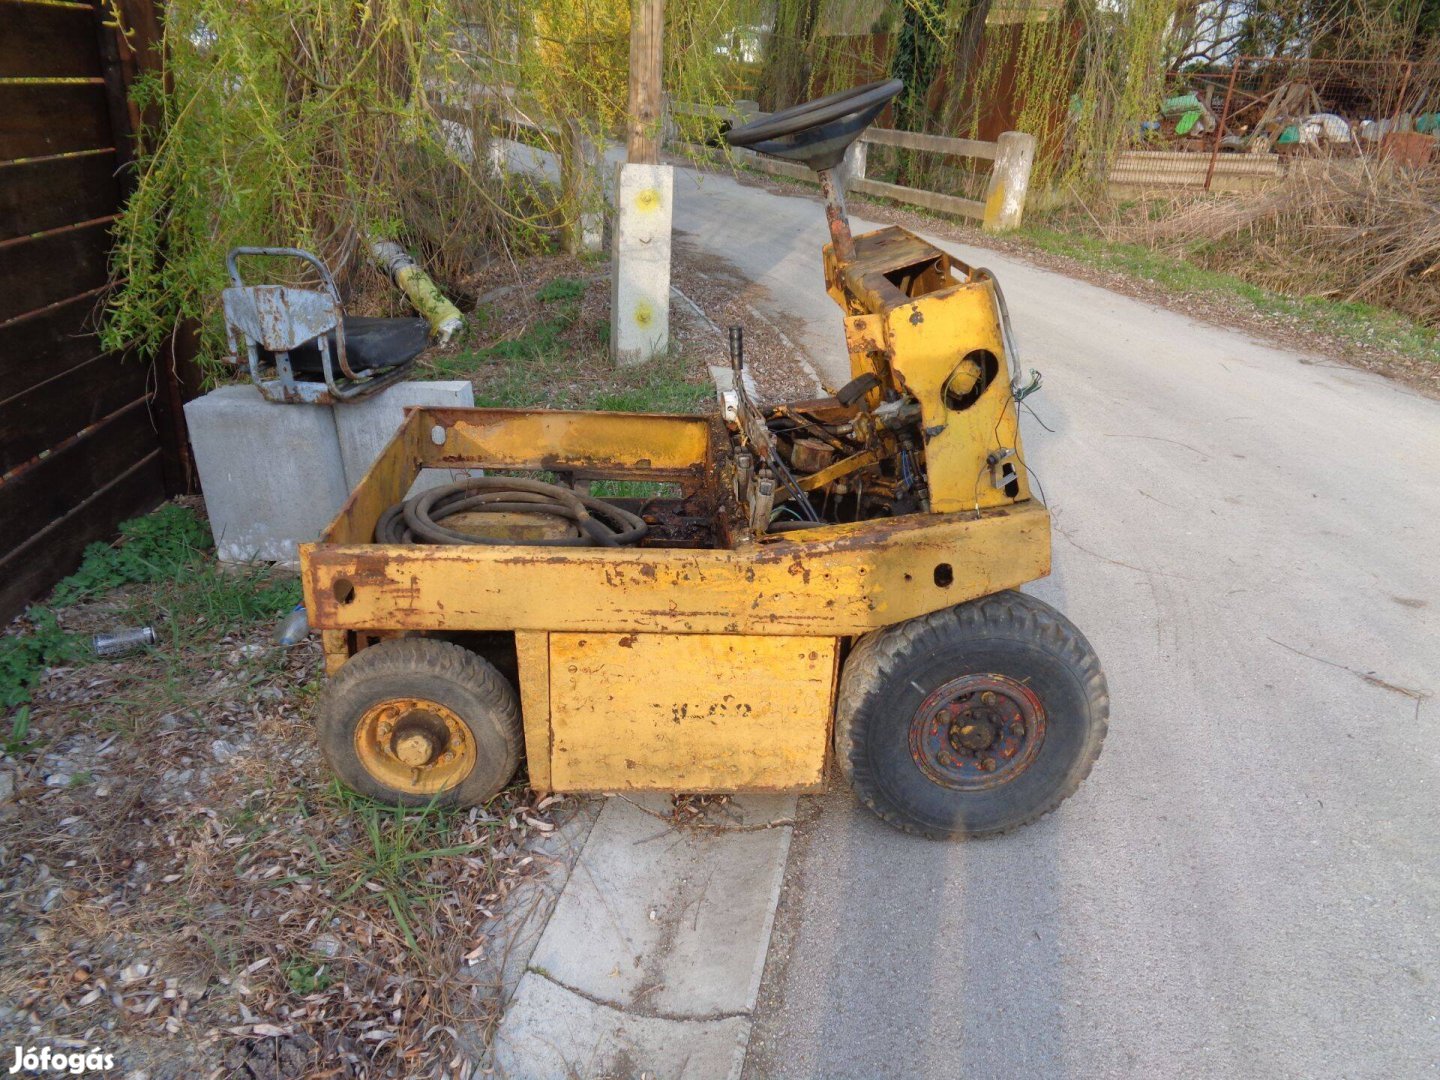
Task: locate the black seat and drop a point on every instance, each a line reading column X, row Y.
column 370, row 345
column 817, row 133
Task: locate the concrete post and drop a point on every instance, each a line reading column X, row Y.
column 579, row 176
column 640, row 263
column 1009, row 181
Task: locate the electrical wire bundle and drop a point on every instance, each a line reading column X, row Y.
column 597, row 523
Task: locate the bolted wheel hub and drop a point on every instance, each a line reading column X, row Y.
column 977, row 731
column 417, row 746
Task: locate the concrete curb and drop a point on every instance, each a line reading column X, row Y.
column 651, row 962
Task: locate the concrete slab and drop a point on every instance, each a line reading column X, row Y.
column 272, row 474
column 651, row 962
column 670, row 921
column 514, row 935
column 551, row 1031
column 365, row 426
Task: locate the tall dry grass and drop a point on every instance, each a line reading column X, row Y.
column 1347, row 230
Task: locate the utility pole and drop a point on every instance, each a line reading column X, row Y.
column 647, row 36
column 640, row 249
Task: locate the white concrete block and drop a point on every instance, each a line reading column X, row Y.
column 640, row 277
column 366, row 425
column 271, row 474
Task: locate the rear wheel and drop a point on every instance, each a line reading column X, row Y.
column 971, row 721
column 416, row 720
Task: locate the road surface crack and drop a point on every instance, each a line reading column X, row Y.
column 646, row 1014
column 1417, row 696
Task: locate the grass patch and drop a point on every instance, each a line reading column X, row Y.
column 190, row 599
column 399, row 845
column 634, row 489
column 561, row 288
column 559, row 360
column 1364, row 325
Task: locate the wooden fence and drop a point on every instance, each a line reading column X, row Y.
column 1011, row 155
column 90, row 438
column 1162, row 170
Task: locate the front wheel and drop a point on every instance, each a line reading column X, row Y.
column 971, row 721
column 415, row 720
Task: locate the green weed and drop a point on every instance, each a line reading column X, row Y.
column 192, row 601
column 156, row 547
column 399, row 843
column 305, row 976
column 24, row 657
column 18, row 741
column 561, row 288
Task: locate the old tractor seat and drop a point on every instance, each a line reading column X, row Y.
column 371, row 344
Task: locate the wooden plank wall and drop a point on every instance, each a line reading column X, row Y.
column 83, row 433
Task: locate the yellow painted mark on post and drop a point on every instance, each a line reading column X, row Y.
column 647, row 200
column 644, row 313
column 689, row 712
column 994, row 204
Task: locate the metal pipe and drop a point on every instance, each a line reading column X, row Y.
column 1220, row 127
column 444, row 317
column 835, row 215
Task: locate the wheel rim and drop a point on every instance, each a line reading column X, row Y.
column 414, row 746
column 977, row 731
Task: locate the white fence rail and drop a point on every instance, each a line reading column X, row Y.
column 1012, row 155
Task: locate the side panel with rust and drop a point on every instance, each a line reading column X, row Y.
column 930, row 339
column 838, row 580
column 689, row 712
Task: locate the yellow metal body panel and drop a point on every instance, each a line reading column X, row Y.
column 662, row 628
column 839, row 580
column 532, row 654
column 910, row 318
column 689, row 712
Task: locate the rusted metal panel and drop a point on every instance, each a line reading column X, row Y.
column 625, row 445
column 833, row 580
column 384, row 484
column 931, row 338
column 927, row 315
column 532, row 652
column 336, row 646
column 278, row 317
column 690, row 712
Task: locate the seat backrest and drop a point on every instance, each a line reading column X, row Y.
column 278, row 317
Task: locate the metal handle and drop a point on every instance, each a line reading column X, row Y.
column 281, row 252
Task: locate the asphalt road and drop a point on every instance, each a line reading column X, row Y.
column 1249, row 882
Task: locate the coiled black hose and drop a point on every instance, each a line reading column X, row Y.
column 416, row 520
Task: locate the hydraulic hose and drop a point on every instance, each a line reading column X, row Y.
column 417, row 519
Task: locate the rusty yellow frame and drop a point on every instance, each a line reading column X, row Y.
column 816, row 585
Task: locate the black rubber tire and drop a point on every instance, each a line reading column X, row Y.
column 891, row 672
column 438, row 671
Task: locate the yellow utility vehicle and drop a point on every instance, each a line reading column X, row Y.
column 815, row 581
